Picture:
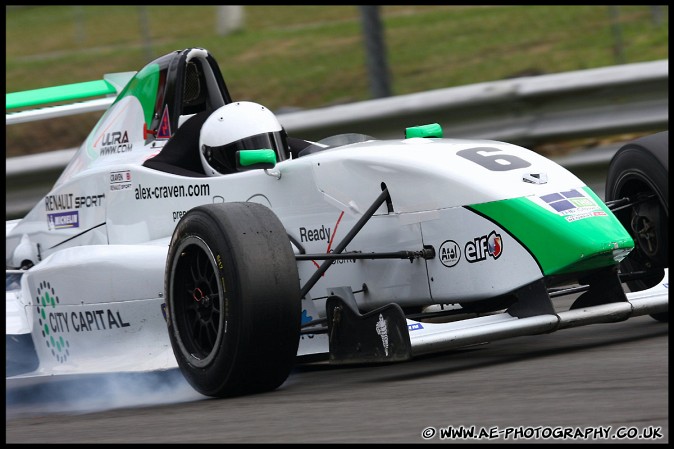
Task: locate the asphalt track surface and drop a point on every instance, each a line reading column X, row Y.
column 588, row 384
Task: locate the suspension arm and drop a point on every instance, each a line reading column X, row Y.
column 345, row 241
column 426, row 253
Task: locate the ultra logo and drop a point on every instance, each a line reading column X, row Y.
column 115, row 142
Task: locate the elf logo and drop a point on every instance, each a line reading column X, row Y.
column 478, row 249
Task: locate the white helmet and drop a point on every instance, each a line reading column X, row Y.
column 242, row 125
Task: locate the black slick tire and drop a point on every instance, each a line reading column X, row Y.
column 641, row 168
column 232, row 297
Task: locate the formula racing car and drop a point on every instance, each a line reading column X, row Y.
column 190, row 231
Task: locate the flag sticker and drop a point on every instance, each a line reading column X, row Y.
column 164, row 131
column 572, row 205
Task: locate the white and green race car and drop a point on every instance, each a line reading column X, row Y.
column 190, row 231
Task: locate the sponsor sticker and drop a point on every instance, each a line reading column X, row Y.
column 120, row 180
column 63, row 220
column 449, row 253
column 481, row 247
column 573, row 205
column 382, row 330
column 57, row 323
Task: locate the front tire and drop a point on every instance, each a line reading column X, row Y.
column 232, row 297
column 641, row 168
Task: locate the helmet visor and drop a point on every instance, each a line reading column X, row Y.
column 221, row 158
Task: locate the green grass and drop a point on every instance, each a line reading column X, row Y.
column 310, row 56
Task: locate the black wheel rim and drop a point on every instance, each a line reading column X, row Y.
column 641, row 221
column 198, row 302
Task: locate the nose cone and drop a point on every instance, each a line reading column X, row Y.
column 575, row 235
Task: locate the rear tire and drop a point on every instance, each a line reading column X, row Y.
column 642, row 167
column 232, row 297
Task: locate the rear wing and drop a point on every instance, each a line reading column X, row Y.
column 35, row 103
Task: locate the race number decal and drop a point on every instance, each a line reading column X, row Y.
column 493, row 162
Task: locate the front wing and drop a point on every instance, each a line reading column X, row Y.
column 384, row 335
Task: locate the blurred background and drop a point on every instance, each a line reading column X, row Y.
column 309, row 56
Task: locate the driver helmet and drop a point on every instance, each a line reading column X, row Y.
column 242, row 125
